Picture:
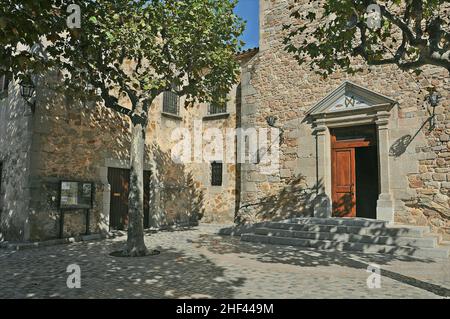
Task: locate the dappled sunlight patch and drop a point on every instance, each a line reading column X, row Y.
column 121, row 253
column 196, row 296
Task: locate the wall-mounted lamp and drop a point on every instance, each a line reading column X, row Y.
column 27, row 92
column 271, row 122
column 433, row 100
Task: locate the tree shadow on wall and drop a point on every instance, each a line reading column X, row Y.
column 72, row 139
column 343, row 206
column 15, row 138
column 295, row 199
column 181, row 197
column 400, row 145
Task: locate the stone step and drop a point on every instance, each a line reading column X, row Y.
column 349, row 246
column 439, row 237
column 338, row 221
column 429, row 242
column 413, row 231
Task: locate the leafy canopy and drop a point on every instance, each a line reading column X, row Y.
column 412, row 33
column 22, row 24
column 137, row 48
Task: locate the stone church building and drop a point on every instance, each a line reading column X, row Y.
column 350, row 146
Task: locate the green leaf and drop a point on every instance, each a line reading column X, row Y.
column 110, row 36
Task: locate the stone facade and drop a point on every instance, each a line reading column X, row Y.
column 274, row 84
column 217, row 202
column 68, row 140
column 15, row 145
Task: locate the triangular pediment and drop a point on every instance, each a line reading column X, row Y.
column 347, row 97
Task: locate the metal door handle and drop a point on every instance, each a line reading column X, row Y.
column 116, row 194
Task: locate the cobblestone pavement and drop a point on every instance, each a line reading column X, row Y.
column 196, row 263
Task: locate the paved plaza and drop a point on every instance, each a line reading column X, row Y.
column 198, row 263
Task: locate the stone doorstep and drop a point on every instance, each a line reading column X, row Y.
column 353, row 221
column 340, row 225
column 418, row 242
column 53, row 242
column 363, row 235
column 241, row 229
column 361, row 230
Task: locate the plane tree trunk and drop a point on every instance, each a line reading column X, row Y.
column 135, row 241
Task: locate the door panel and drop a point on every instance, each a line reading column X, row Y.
column 146, row 199
column 119, row 179
column 343, row 180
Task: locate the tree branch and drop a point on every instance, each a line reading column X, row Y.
column 412, row 39
column 111, row 101
column 417, row 10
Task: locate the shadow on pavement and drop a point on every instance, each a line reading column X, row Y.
column 41, row 273
column 304, row 257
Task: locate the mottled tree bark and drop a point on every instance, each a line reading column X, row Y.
column 135, row 241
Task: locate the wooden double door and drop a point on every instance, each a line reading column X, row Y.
column 119, row 179
column 354, row 171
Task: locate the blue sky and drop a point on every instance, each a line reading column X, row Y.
column 249, row 11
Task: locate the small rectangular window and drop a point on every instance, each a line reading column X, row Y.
column 171, row 102
column 216, row 174
column 215, row 108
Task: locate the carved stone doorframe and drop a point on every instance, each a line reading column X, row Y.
column 325, row 117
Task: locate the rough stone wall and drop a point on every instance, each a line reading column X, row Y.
column 274, row 84
column 15, row 144
column 431, row 183
column 72, row 140
column 214, row 203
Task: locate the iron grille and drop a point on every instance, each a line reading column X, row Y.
column 215, row 108
column 216, row 174
column 171, row 102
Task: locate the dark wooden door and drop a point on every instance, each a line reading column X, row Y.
column 119, row 179
column 343, row 182
column 1, row 188
column 146, row 199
